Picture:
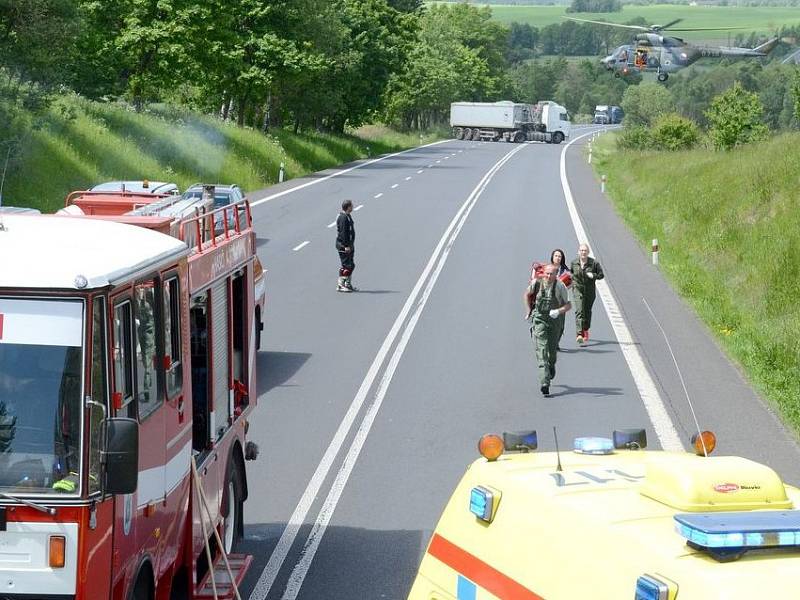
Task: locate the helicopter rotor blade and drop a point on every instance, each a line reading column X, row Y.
column 635, row 27
column 667, row 26
column 710, row 28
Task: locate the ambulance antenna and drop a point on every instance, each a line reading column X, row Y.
column 680, row 376
column 558, row 454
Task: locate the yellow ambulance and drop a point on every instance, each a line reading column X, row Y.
column 608, row 520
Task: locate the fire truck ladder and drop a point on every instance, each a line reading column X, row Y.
column 227, row 571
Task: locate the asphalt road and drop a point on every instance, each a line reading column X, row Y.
column 371, row 404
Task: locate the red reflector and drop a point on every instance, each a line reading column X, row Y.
column 116, row 400
column 1, row 326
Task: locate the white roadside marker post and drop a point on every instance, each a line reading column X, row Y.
column 590, row 152
column 280, row 174
column 655, row 252
column 603, row 180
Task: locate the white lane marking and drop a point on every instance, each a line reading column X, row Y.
column 279, row 554
column 653, row 404
column 359, row 207
column 460, row 150
column 301, row 246
column 420, row 171
column 445, row 158
column 395, row 185
column 430, row 166
column 337, row 488
column 358, row 166
column 378, row 195
column 332, row 225
column 438, row 161
column 408, row 178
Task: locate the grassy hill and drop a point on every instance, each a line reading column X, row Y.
column 761, row 19
column 78, row 143
column 728, row 226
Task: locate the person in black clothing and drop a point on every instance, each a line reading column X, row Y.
column 345, row 240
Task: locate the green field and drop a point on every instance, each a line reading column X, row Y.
column 728, row 227
column 760, row 19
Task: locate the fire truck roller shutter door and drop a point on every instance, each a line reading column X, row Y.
column 219, row 336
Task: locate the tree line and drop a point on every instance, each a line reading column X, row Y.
column 318, row 64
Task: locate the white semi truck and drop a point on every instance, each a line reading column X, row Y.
column 544, row 121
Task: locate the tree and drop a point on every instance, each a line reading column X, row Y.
column 645, row 103
column 459, row 55
column 796, row 94
column 734, row 118
column 35, row 36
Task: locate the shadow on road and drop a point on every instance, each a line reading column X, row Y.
column 352, row 562
column 363, row 291
column 276, row 368
column 568, row 390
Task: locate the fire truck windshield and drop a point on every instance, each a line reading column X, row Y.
column 41, row 358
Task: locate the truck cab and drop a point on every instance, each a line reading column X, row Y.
column 602, row 115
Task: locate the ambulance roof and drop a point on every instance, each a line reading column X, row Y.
column 51, row 251
column 595, row 526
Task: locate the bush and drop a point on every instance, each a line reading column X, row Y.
column 734, row 118
column 635, row 137
column 674, row 132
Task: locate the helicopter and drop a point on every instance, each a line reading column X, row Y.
column 652, row 51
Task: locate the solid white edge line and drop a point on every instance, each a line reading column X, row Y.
column 662, row 424
column 358, row 166
column 301, row 246
column 337, row 487
column 282, row 548
column 359, row 207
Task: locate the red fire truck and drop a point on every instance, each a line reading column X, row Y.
column 127, row 351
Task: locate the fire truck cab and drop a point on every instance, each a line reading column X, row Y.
column 126, row 354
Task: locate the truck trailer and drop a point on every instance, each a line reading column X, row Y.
column 545, row 121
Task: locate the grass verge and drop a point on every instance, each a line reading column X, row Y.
column 728, row 226
column 79, row 143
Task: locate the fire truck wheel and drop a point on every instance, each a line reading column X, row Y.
column 233, row 505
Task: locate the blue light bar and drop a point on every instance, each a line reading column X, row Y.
column 593, row 445
column 481, row 503
column 650, row 588
column 743, row 530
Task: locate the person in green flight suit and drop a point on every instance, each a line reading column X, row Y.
column 546, row 301
column 586, row 271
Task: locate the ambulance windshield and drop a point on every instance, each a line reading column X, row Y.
column 40, row 395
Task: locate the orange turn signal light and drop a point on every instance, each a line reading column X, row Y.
column 491, row 446
column 704, row 443
column 58, row 551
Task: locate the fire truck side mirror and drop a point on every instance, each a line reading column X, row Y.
column 120, row 455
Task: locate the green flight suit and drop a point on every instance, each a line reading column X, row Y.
column 584, row 291
column 545, row 330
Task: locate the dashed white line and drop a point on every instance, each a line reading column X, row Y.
column 359, row 207
column 430, row 165
column 438, row 161
column 445, row 158
column 332, row 225
column 408, row 178
column 420, row 171
column 395, row 185
column 378, row 195
column 301, row 246
column 460, row 150
column 403, row 330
